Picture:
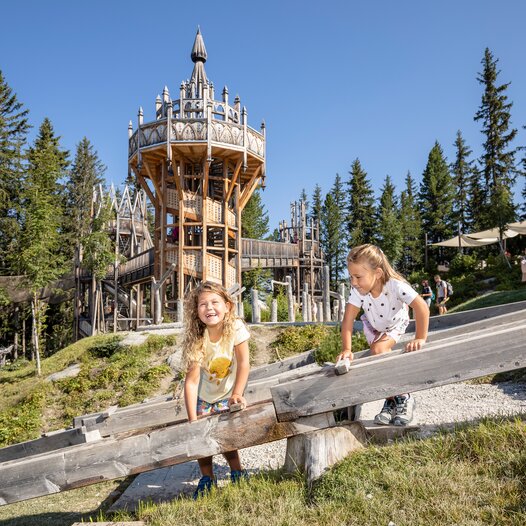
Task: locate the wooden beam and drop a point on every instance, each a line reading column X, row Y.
column 249, row 188
column 153, row 180
column 486, row 352
column 108, row 459
column 233, row 182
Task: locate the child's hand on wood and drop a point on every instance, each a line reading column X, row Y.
column 237, row 399
column 343, row 355
column 414, row 345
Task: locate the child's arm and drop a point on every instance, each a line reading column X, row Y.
column 351, row 312
column 421, row 313
column 191, row 385
column 243, row 367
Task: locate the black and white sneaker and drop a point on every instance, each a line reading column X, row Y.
column 404, row 408
column 385, row 416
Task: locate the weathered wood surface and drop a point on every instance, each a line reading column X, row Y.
column 49, row 442
column 111, row 458
column 468, row 316
column 485, row 352
column 314, row 453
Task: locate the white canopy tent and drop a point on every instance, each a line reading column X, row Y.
column 486, row 237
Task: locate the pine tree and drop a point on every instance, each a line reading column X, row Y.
column 255, row 225
column 13, row 133
column 410, row 228
column 361, row 223
column 389, row 232
column 87, row 171
column 317, row 203
column 254, row 218
column 40, row 258
column 333, row 238
column 305, row 199
column 498, row 160
column 436, row 197
column 466, row 195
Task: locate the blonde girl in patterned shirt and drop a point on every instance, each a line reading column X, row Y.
column 216, row 358
column 384, row 295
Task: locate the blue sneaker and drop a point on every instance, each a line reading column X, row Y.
column 204, row 486
column 237, row 475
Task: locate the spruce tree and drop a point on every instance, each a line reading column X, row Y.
column 39, row 257
column 13, row 134
column 465, row 194
column 361, row 223
column 389, row 232
column 317, row 203
column 498, row 159
column 410, row 228
column 255, row 225
column 254, row 218
column 87, row 171
column 333, row 237
column 436, row 197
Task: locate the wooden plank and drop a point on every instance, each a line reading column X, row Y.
column 111, row 458
column 49, row 442
column 462, row 318
column 486, row 352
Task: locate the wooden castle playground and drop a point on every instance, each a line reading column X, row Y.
column 294, row 399
column 198, row 163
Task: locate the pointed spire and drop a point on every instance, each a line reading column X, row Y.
column 199, row 49
column 199, row 58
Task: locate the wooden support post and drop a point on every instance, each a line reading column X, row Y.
column 290, row 298
column 274, row 311
column 326, row 294
column 313, row 453
column 256, row 315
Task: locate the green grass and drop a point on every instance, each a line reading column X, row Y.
column 491, row 299
column 110, row 374
column 475, row 475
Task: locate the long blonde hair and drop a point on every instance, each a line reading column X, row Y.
column 194, row 332
column 375, row 258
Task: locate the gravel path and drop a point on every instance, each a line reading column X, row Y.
column 439, row 407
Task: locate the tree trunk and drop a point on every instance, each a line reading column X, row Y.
column 35, row 311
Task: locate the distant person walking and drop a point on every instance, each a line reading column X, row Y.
column 427, row 292
column 523, row 266
column 442, row 296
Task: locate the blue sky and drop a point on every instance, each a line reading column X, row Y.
column 334, row 81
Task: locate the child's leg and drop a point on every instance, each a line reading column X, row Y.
column 206, row 466
column 232, row 457
column 382, row 345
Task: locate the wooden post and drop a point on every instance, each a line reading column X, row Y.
column 313, row 453
column 274, row 311
column 326, row 294
column 319, row 311
column 290, row 298
column 256, row 316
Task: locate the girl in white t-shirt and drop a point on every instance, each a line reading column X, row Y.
column 384, row 296
column 216, row 358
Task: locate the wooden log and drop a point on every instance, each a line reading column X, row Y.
column 486, row 352
column 314, row 453
column 111, row 458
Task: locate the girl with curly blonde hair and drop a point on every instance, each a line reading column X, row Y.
column 216, row 359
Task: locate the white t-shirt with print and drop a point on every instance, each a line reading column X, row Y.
column 219, row 367
column 389, row 310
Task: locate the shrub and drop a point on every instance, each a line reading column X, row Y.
column 331, row 345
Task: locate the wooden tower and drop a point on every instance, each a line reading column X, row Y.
column 199, row 162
